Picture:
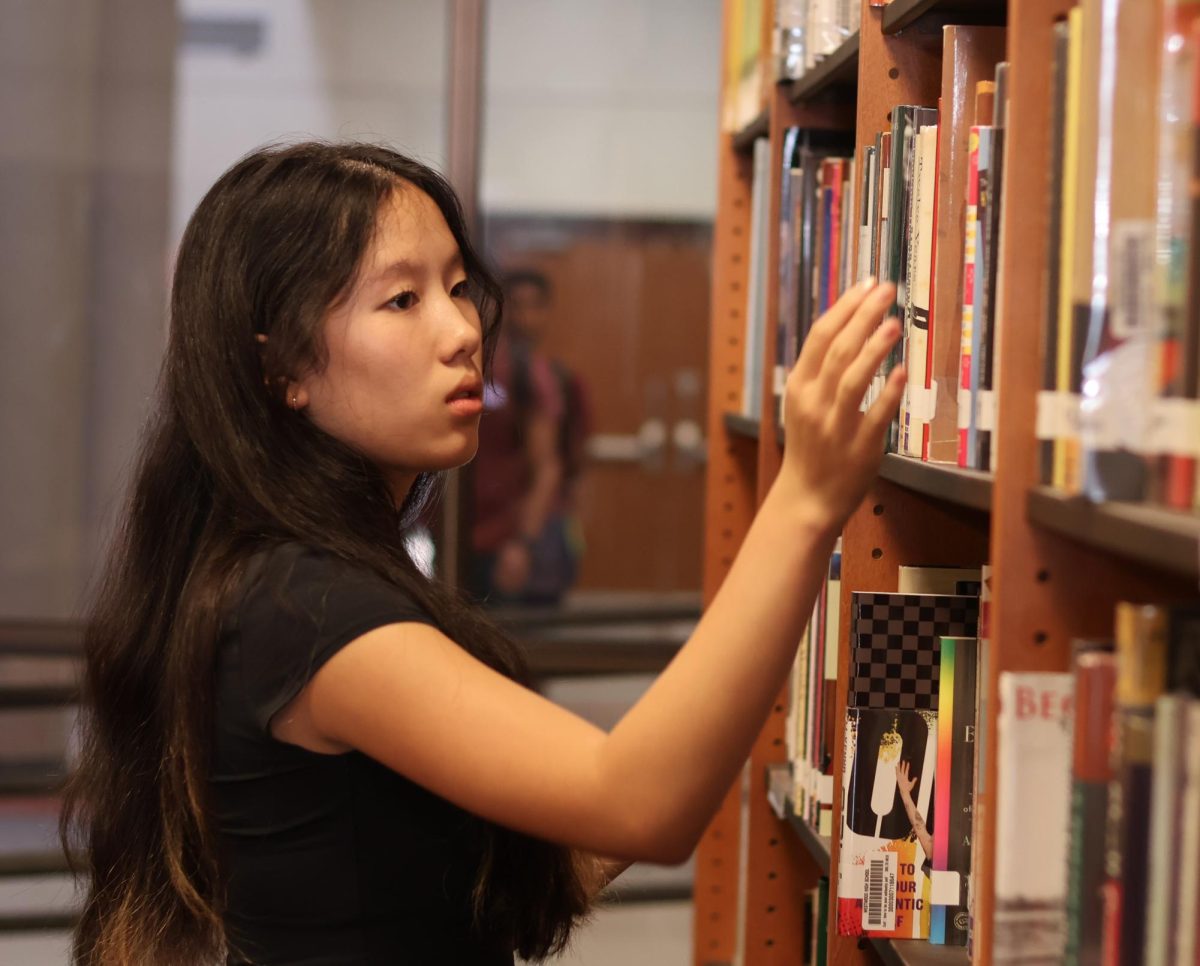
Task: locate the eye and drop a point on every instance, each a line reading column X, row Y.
column 403, row 301
column 462, row 290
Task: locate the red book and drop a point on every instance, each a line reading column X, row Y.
column 970, row 249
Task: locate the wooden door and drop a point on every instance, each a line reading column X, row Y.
column 630, row 311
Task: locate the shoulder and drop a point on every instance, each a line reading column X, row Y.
column 296, row 585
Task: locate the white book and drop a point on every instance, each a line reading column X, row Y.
column 1033, row 795
column 917, row 410
column 756, row 283
column 1165, row 819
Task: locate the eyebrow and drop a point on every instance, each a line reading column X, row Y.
column 406, row 266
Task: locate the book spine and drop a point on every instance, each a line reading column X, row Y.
column 1165, row 828
column 966, row 440
column 1032, row 814
column 1095, row 681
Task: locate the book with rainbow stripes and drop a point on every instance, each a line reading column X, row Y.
column 953, row 791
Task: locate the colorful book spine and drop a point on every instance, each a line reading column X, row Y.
column 970, row 260
column 954, row 791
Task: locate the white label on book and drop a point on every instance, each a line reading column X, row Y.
column 1174, row 428
column 985, row 412
column 1131, row 279
column 922, row 403
column 945, row 887
column 1114, row 412
column 964, row 408
column 879, row 891
column 825, row 789
column 1047, row 424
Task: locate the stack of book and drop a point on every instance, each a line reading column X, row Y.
column 1118, row 416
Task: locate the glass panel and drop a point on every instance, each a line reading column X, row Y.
column 597, row 188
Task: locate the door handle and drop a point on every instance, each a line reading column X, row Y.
column 646, row 446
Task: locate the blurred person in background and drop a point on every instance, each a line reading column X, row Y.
column 526, row 538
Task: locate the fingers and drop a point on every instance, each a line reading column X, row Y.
column 847, row 345
column 858, row 375
column 826, row 328
column 886, row 406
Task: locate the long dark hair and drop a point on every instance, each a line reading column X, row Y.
column 226, row 468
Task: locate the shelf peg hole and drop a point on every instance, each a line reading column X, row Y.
column 877, row 509
column 770, row 908
column 1043, row 575
column 894, row 73
column 772, row 842
column 877, row 553
column 772, row 875
column 1039, row 638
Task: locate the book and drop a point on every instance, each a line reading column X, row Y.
column 954, row 791
column 1187, row 949
column 1175, row 480
column 907, row 120
column 956, row 581
column 1141, row 680
column 969, row 57
column 1095, row 673
column 916, row 405
column 1049, row 402
column 1079, row 203
column 756, row 305
column 966, row 440
column 1118, row 342
column 991, row 204
column 890, row 755
column 1033, row 743
column 1166, row 825
column 981, row 332
column 982, row 792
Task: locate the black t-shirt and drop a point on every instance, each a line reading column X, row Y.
column 330, row 859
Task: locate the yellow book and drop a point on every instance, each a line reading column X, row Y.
column 1078, row 224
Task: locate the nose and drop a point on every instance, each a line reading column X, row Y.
column 462, row 330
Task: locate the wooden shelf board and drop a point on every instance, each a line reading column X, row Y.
column 967, row 488
column 1167, row 540
column 918, row 952
column 903, row 13
column 779, row 795
column 738, row 425
column 760, row 127
column 836, row 70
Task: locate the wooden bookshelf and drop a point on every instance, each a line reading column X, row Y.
column 899, row 14
column 760, row 127
column 965, row 488
column 836, row 75
column 1163, row 539
column 1059, row 564
column 741, row 426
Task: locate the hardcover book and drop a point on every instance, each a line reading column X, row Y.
column 1091, row 772
column 954, row 790
column 969, row 56
column 890, row 755
column 1033, row 745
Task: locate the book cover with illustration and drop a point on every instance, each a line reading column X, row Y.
column 890, row 755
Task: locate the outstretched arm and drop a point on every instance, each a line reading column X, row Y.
column 409, row 697
column 915, row 819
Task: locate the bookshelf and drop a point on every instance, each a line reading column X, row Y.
column 1060, row 564
column 902, row 13
column 835, row 76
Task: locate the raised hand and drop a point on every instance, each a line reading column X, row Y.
column 832, row 450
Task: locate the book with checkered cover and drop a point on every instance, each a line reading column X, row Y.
column 890, row 758
column 894, row 645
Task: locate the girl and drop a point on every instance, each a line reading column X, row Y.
column 299, row 750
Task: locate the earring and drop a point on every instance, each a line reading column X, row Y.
column 292, row 401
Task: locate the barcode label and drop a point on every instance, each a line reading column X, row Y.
column 879, row 892
column 1131, row 281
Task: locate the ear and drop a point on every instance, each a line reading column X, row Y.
column 296, row 395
